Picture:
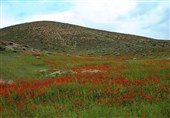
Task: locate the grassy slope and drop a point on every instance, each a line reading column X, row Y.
column 15, row 66
column 60, row 37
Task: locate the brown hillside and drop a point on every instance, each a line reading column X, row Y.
column 61, row 37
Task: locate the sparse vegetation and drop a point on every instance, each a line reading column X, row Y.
column 65, row 38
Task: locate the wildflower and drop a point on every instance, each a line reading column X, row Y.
column 91, row 92
column 20, row 105
column 168, row 75
column 125, row 96
column 10, row 101
column 151, row 99
column 33, row 107
column 1, row 110
column 11, row 108
column 62, row 107
column 78, row 104
column 132, row 95
column 98, row 100
column 113, row 98
column 44, row 104
column 54, row 107
column 108, row 101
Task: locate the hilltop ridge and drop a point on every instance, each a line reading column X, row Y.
column 67, row 38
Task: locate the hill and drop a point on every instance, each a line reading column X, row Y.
column 67, row 38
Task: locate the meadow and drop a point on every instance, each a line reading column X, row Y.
column 70, row 86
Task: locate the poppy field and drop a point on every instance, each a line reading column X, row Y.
column 67, row 86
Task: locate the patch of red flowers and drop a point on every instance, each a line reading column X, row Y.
column 104, row 89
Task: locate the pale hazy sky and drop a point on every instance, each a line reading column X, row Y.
column 150, row 18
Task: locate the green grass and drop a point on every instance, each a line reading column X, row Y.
column 74, row 99
column 92, row 109
column 15, row 66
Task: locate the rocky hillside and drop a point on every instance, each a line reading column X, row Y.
column 61, row 37
column 14, row 47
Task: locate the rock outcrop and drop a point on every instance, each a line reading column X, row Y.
column 14, row 47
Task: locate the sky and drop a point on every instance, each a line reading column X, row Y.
column 149, row 18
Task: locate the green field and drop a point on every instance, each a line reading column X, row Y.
column 69, row 86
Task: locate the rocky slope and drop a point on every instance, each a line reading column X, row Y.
column 67, row 38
